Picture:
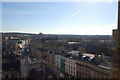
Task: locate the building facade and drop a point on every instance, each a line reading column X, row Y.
column 72, row 66
column 89, row 70
column 50, row 60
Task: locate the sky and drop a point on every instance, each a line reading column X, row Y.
column 81, row 18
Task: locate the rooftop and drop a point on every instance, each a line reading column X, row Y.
column 91, row 56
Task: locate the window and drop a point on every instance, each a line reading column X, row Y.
column 103, row 76
column 6, row 76
column 74, row 73
column 12, row 75
column 108, row 71
column 69, row 71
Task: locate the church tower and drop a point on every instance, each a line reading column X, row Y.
column 116, row 56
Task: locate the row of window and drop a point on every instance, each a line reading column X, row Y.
column 11, row 75
column 70, row 62
column 95, row 67
column 86, row 71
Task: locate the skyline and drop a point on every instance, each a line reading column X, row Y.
column 79, row 18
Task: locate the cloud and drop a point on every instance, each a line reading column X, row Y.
column 75, row 13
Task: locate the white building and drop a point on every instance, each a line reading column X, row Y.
column 70, row 66
column 57, row 62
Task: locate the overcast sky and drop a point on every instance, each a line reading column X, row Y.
column 83, row 18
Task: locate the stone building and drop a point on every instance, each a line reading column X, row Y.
column 116, row 59
column 10, row 66
column 28, row 64
column 70, row 67
column 79, row 65
column 86, row 69
column 50, row 60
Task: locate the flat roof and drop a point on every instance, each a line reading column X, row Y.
column 89, row 55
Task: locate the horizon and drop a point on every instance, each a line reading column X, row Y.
column 52, row 34
column 76, row 18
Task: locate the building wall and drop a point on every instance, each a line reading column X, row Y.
column 70, row 67
column 11, row 74
column 36, row 65
column 83, row 71
column 57, row 62
column 88, row 70
column 24, row 68
column 116, row 59
column 27, row 66
column 119, row 30
column 51, row 60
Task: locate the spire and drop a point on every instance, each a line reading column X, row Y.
column 119, row 15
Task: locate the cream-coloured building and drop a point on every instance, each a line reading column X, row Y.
column 70, row 67
column 80, row 65
column 57, row 62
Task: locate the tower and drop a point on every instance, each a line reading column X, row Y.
column 116, row 56
column 118, row 40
